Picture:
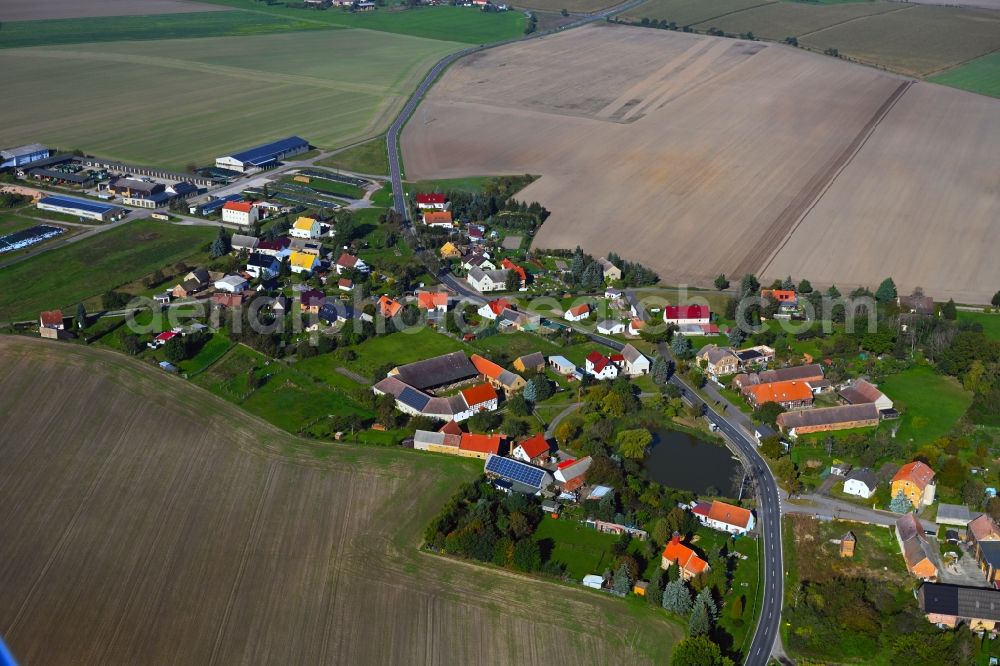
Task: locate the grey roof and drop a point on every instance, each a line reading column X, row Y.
column 436, row 437
column 562, row 362
column 957, row 601
column 232, row 280
column 954, row 512
column 532, row 360
column 864, row 475
column 828, row 416
column 631, row 354
column 633, row 302
column 715, row 354
column 497, row 277
column 390, row 386
column 261, row 260
column 23, row 150
column 578, row 468
column 764, row 431
column 801, row 372
column 269, row 151
column 61, row 175
column 746, row 355
column 137, row 185
column 437, row 371
column 239, row 240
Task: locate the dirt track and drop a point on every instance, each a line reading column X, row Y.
column 146, row 521
column 697, row 155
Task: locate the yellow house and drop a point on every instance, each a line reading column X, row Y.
column 449, row 251
column 305, row 227
column 302, row 261
column 915, row 481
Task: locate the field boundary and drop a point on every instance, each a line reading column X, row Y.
column 855, row 18
column 801, row 205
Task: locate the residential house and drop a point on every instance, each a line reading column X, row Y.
column 432, row 301
column 52, row 320
column 229, row 300
column 610, row 271
column 388, row 307
column 577, row 313
column 498, row 376
column 916, row 303
column 762, row 431
column 306, row 245
column 635, row 326
column 533, row 362
column 921, row 556
column 345, row 284
column 861, row 482
column 860, row 392
column 509, row 265
column 532, row 449
column 718, row 361
column 571, row 473
column 277, row 247
column 635, row 306
column 600, row 366
column 688, row 563
column 634, row 362
column 302, row 262
column 305, row 227
column 243, row 213
column 522, row 321
column 349, row 262
column 432, row 201
column 983, row 536
column 610, row 327
column 916, row 481
column 682, row 315
column 789, row 394
column 754, row 357
column 232, row 284
column 827, row 419
column 241, row 243
column 486, row 281
column 613, row 294
column 193, row 282
column 492, row 309
column 478, row 260
column 949, row 605
column 262, row 266
column 438, row 218
column 780, row 295
column 449, row 251
column 311, row 301
column 480, row 398
column 479, row 446
column 562, row 365
column 476, row 234
column 724, row 517
column 953, row 514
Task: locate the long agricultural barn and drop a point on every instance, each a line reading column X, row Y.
column 91, row 210
column 261, row 157
column 15, row 157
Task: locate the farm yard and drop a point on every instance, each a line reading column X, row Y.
column 711, row 157
column 903, row 37
column 32, row 10
column 175, row 527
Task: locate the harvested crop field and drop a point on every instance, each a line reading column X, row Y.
column 704, row 156
column 207, row 100
column 32, row 10
column 778, row 20
column 147, row 521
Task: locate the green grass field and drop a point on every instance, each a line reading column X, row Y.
column 932, row 403
column 990, row 322
column 17, row 34
column 11, row 222
column 581, row 549
column 330, row 187
column 371, row 157
column 349, row 86
column 982, row 75
column 460, row 24
column 399, row 348
column 63, row 277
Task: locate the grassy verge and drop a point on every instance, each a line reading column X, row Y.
column 371, row 157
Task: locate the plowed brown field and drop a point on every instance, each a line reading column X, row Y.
column 698, row 155
column 147, row 522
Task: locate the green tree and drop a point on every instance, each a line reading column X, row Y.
column 749, row 286
column 705, row 598
column 527, row 556
column 805, row 287
column 622, row 581
column 530, row 392
column 900, row 504
column 613, row 405
column 699, row 651
column 949, row 311
column 995, row 301
column 677, row 597
column 788, row 283
column 175, row 351
column 680, row 346
column 736, row 336
column 543, row 389
column 518, row 405
column 512, row 282
column 661, row 370
column 886, row 291
column 81, row 316
column 768, row 413
column 217, row 248
column 721, row 282
column 771, row 447
column 833, row 292
column 131, row 344
column 633, row 443
column 698, row 622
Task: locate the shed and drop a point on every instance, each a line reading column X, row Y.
column 953, row 514
column 593, row 581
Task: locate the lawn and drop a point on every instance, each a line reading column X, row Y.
column 989, row 321
column 982, row 75
column 581, row 549
column 333, row 187
column 400, row 348
column 68, row 275
column 349, row 88
column 371, row 157
column 462, row 24
column 931, row 403
column 17, row 34
column 11, row 222
column 467, row 184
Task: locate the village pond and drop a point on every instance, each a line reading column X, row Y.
column 680, row 460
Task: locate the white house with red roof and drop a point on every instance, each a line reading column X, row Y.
column 348, row 261
column 531, row 449
column 682, row 315
column 577, row 313
column 511, row 266
column 601, row 366
column 432, row 201
column 163, row 338
column 492, row 309
column 723, row 517
column 243, row 213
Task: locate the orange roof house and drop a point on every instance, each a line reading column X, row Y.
column 497, row 375
column 479, row 446
column 915, row 481
column 241, row 206
column 789, row 394
column 438, row 218
column 432, row 300
column 480, row 396
column 780, row 295
column 532, row 448
column 511, row 266
column 688, row 562
column 388, row 307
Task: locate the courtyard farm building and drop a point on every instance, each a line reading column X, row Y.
column 571, row 473
column 789, row 394
column 718, row 361
column 919, row 552
column 828, row 418
column 498, row 376
column 949, row 605
column 412, row 385
column 512, row 475
column 861, row 392
column 466, row 444
column 723, row 517
column 262, row 156
column 532, row 448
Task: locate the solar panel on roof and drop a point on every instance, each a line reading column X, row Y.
column 515, row 471
column 413, row 398
column 80, row 204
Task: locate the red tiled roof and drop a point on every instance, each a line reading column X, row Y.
column 388, row 307
column 480, row 443
column 499, row 305
column 683, row 556
column 437, row 217
column 451, row 428
column 347, row 260
column 729, row 514
column 780, row 295
column 431, row 198
column 51, row 318
column 241, row 206
column 535, row 446
column 477, row 395
column 510, row 265
column 916, row 472
column 165, row 336
column 787, row 391
column 566, row 463
column 429, row 300
column 579, row 310
column 486, row 367
column 344, row 282
column 598, row 360
column 686, row 312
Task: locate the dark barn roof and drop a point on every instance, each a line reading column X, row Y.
column 437, row 371
column 968, row 602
